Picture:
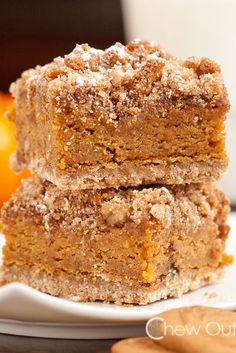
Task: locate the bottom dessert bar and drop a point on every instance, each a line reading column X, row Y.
column 131, row 245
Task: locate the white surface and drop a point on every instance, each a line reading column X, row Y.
column 25, row 311
column 187, row 28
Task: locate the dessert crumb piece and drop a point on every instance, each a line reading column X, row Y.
column 210, row 295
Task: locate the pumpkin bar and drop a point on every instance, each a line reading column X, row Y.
column 131, row 245
column 125, row 116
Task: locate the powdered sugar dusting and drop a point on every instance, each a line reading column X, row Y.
column 80, row 80
column 86, row 56
column 121, row 80
column 120, row 50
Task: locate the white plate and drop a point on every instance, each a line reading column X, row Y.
column 71, row 331
column 25, row 311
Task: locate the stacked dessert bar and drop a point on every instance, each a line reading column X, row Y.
column 126, row 145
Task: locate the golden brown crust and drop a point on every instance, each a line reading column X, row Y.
column 85, row 288
column 129, row 173
column 113, row 111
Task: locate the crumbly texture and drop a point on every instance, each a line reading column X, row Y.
column 133, row 245
column 81, row 288
column 128, row 115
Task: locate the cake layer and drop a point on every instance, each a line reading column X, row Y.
column 155, row 242
column 126, row 116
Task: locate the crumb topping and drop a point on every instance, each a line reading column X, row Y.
column 91, row 209
column 124, row 80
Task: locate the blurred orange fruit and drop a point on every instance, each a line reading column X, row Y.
column 9, row 181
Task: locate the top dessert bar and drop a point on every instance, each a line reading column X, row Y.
column 128, row 115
